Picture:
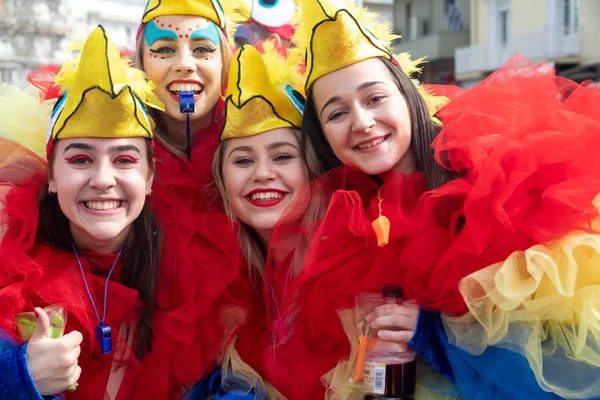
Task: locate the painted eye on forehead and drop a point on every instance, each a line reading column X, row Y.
column 273, row 13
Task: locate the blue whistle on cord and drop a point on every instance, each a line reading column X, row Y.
column 186, row 102
column 187, row 106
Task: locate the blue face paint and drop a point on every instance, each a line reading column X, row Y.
column 211, row 32
column 152, row 33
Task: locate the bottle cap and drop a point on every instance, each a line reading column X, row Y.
column 392, row 291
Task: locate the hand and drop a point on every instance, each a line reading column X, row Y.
column 52, row 362
column 397, row 323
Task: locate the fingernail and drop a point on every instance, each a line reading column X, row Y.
column 37, row 314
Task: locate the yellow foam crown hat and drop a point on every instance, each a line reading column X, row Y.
column 262, row 93
column 336, row 34
column 103, row 96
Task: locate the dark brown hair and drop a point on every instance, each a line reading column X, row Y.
column 423, row 132
column 141, row 254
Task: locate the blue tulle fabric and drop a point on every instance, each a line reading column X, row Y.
column 211, row 388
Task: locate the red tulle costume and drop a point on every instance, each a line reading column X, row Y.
column 197, row 302
column 201, row 290
column 35, row 274
column 521, row 142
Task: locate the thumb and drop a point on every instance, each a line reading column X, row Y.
column 42, row 325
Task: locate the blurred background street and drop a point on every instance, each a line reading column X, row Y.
column 464, row 40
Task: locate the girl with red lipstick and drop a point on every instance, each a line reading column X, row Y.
column 257, row 167
column 261, row 172
column 482, row 222
column 80, row 236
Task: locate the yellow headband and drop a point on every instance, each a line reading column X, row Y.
column 262, row 93
column 102, row 95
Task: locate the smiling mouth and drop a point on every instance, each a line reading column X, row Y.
column 176, row 88
column 372, row 143
column 103, row 205
column 265, row 196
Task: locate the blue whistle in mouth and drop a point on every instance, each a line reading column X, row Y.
column 186, row 102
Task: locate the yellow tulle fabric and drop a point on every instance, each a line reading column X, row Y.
column 23, row 124
column 24, row 119
column 543, row 303
column 340, row 385
column 238, row 375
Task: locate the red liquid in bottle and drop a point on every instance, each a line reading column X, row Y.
column 390, row 368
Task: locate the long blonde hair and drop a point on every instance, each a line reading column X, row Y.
column 250, row 243
column 161, row 129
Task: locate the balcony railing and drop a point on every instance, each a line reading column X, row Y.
column 538, row 45
column 435, row 46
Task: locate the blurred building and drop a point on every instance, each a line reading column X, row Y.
column 564, row 33
column 31, row 33
column 120, row 18
column 385, row 9
column 432, row 29
column 35, row 32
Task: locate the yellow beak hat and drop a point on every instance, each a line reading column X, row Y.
column 263, row 92
column 102, row 95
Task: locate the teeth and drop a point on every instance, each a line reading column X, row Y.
column 185, row 87
column 103, row 205
column 371, row 144
column 266, row 196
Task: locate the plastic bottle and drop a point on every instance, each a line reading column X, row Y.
column 390, row 367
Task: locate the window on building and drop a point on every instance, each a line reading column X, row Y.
column 503, row 23
column 570, row 20
column 408, row 12
column 567, row 16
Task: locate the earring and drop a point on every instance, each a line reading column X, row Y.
column 50, row 193
column 150, row 193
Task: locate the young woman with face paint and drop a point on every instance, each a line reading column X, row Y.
column 485, row 236
column 83, row 240
column 183, row 47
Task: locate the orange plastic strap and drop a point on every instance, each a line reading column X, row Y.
column 364, row 343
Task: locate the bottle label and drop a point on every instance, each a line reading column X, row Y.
column 374, row 380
